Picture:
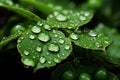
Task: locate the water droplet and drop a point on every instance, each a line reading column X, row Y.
column 61, row 41
column 98, row 45
column 53, row 47
column 26, row 53
column 49, row 62
column 35, row 29
column 56, row 60
column 39, row 49
column 47, row 27
column 43, row 37
column 19, row 41
column 42, row 60
column 82, row 18
column 106, row 42
column 32, row 37
column 28, row 62
column 47, row 53
column 56, row 13
column 61, row 17
column 92, row 33
column 55, row 35
column 67, row 47
column 86, row 14
column 74, row 36
column 39, row 23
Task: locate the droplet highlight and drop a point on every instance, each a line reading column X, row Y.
column 28, row 62
column 26, row 53
column 44, row 37
column 36, row 29
column 53, row 48
column 98, row 45
column 56, row 60
column 42, row 60
column 39, row 49
column 92, row 33
column 61, row 17
column 47, row 27
column 67, row 47
column 32, row 37
column 61, row 41
column 74, row 36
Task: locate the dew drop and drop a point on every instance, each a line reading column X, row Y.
column 19, row 41
column 47, row 53
column 56, row 60
column 67, row 47
column 56, row 13
column 98, row 45
column 82, row 18
column 35, row 29
column 47, row 27
column 44, row 37
column 49, row 62
column 53, row 47
column 74, row 36
column 39, row 49
column 61, row 41
column 92, row 33
column 86, row 14
column 26, row 53
column 28, row 62
column 32, row 37
column 106, row 42
column 42, row 60
column 55, row 35
column 39, row 23
column 61, row 17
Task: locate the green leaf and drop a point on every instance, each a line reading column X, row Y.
column 68, row 19
column 90, row 39
column 42, row 7
column 42, row 47
column 22, row 12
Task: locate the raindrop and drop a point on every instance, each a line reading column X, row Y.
column 61, row 41
column 44, row 37
column 67, row 47
column 39, row 49
column 56, row 60
column 26, row 53
column 42, row 60
column 92, row 33
column 32, row 37
column 74, row 36
column 28, row 62
column 82, row 18
column 61, row 17
column 86, row 14
column 47, row 27
column 98, row 45
column 35, row 29
column 53, row 47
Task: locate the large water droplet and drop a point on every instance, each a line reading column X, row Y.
column 74, row 36
column 28, row 62
column 32, row 37
column 36, row 29
column 43, row 37
column 61, row 17
column 61, row 41
column 53, row 47
column 67, row 47
column 39, row 49
column 47, row 27
column 92, row 33
column 98, row 45
column 42, row 60
column 26, row 53
column 56, row 60
column 82, row 18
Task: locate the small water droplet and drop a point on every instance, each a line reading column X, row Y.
column 61, row 41
column 67, row 47
column 28, row 62
column 44, row 37
column 32, row 37
column 54, row 31
column 106, row 42
column 61, row 17
column 55, row 35
column 98, row 45
column 49, row 62
column 73, row 36
column 26, row 53
column 36, row 29
column 39, row 49
column 47, row 53
column 92, row 33
column 53, row 47
column 56, row 60
column 39, row 23
column 86, row 14
column 19, row 41
column 47, row 27
column 82, row 18
column 42, row 60
column 56, row 13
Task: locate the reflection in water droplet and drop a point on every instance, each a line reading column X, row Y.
column 35, row 29
column 47, row 27
column 67, row 47
column 42, row 60
column 92, row 33
column 61, row 17
column 74, row 36
column 82, row 18
column 61, row 41
column 98, row 45
column 39, row 49
column 32, row 37
column 53, row 47
column 56, row 60
column 28, row 62
column 26, row 53
column 43, row 37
